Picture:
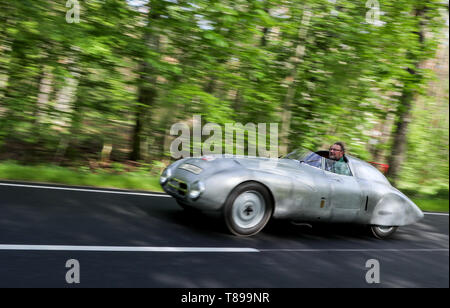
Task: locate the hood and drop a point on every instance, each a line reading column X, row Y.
column 206, row 162
column 213, row 163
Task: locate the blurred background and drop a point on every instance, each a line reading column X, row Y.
column 90, row 89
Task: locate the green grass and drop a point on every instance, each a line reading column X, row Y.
column 138, row 180
column 432, row 204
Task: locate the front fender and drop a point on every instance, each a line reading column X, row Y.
column 395, row 210
column 218, row 187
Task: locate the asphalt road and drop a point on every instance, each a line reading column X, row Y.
column 127, row 239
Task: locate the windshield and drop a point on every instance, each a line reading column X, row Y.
column 316, row 159
column 298, row 154
column 306, row 156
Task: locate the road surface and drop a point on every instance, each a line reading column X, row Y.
column 132, row 239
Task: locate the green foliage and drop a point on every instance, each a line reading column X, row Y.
column 130, row 69
column 426, row 167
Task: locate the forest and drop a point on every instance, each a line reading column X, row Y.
column 89, row 90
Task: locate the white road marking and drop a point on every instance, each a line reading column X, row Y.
column 195, row 249
column 355, row 250
column 437, row 214
column 125, row 248
column 87, row 190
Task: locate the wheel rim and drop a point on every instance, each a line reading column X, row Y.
column 248, row 209
column 384, row 229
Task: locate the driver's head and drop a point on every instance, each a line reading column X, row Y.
column 337, row 150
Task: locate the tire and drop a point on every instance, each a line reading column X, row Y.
column 247, row 209
column 383, row 232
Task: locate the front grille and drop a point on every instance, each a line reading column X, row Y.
column 178, row 186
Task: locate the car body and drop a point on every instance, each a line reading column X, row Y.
column 300, row 187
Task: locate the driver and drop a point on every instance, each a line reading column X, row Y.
column 337, row 152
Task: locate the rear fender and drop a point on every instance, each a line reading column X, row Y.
column 395, row 210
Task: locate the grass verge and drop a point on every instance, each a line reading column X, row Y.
column 139, row 179
column 432, row 204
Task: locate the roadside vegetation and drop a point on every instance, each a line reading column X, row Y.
column 112, row 176
column 432, row 203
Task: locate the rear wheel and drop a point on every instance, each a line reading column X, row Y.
column 248, row 209
column 383, row 232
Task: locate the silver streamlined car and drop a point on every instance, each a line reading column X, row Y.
column 303, row 186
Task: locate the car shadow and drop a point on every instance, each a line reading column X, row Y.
column 199, row 221
column 213, row 223
column 293, row 230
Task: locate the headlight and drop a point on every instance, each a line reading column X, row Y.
column 196, row 190
column 167, row 173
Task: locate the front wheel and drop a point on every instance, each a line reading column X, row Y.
column 383, row 232
column 248, row 209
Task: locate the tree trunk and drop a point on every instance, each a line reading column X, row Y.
column 385, row 129
column 291, row 79
column 265, row 30
column 147, row 78
column 404, row 109
column 400, row 134
column 75, row 130
column 76, row 113
column 146, row 99
column 40, row 98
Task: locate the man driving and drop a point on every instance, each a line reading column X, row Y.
column 336, row 154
